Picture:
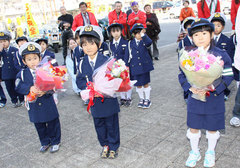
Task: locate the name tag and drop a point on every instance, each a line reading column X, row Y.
column 223, row 44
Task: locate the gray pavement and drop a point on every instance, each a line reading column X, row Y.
column 153, row 138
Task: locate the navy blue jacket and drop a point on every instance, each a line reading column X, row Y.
column 110, row 106
column 104, row 49
column 18, row 62
column 119, row 53
column 8, row 69
column 48, row 53
column 139, row 60
column 215, row 102
column 77, row 55
column 44, row 109
column 184, row 43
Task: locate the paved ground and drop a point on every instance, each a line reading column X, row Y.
column 153, row 138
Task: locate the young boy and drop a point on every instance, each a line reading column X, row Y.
column 43, row 113
column 9, row 72
column 44, row 45
column 105, row 114
column 18, row 58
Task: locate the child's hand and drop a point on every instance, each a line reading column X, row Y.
column 143, row 31
column 200, row 92
column 34, row 89
column 41, row 93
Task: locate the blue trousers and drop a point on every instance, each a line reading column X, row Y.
column 2, row 96
column 49, row 132
column 10, row 86
column 108, row 131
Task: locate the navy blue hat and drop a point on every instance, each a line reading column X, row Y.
column 92, row 30
column 218, row 17
column 30, row 48
column 199, row 23
column 5, row 35
column 21, row 38
column 114, row 25
column 42, row 39
column 137, row 26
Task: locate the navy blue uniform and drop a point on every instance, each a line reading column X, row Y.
column 233, row 43
column 48, row 53
column 104, row 49
column 184, row 43
column 18, row 63
column 77, row 55
column 9, row 73
column 105, row 114
column 2, row 95
column 208, row 115
column 139, row 61
column 119, row 52
column 43, row 113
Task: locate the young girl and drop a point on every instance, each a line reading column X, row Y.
column 18, row 58
column 140, row 63
column 118, row 48
column 207, row 115
column 69, row 63
column 105, row 114
column 44, row 45
column 43, row 113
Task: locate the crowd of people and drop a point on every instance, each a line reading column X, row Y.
column 131, row 36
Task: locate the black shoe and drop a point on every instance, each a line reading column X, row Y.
column 156, row 58
column 128, row 103
column 122, row 102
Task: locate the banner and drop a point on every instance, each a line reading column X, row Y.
column 90, row 6
column 32, row 26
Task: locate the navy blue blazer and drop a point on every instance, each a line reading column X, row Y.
column 227, row 45
column 77, row 55
column 48, row 53
column 138, row 58
column 8, row 69
column 119, row 52
column 44, row 109
column 184, row 43
column 100, row 109
column 18, row 62
column 215, row 102
column 104, row 49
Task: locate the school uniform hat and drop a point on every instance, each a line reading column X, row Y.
column 21, row 38
column 78, row 29
column 134, row 3
column 5, row 35
column 42, row 39
column 114, row 25
column 186, row 21
column 92, row 30
column 30, row 48
column 199, row 22
column 137, row 26
column 218, row 17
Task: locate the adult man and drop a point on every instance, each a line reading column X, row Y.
column 84, row 18
column 136, row 16
column 65, row 24
column 117, row 16
column 153, row 29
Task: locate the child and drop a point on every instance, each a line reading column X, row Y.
column 140, row 63
column 43, row 113
column 9, row 72
column 186, row 11
column 118, row 48
column 69, row 63
column 44, row 45
column 3, row 99
column 18, row 58
column 221, row 40
column 77, row 52
column 207, row 115
column 105, row 115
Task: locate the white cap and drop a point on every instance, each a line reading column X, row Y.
column 89, row 29
column 30, row 47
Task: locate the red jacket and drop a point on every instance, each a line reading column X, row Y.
column 234, row 9
column 142, row 18
column 205, row 13
column 122, row 19
column 78, row 20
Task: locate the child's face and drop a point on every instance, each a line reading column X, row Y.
column 185, row 4
column 5, row 43
column 72, row 44
column 218, row 27
column 90, row 48
column 43, row 46
column 21, row 42
column 116, row 34
column 31, row 60
column 202, row 39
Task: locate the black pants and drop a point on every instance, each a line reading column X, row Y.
column 10, row 86
column 66, row 34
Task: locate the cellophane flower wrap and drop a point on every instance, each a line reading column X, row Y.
column 201, row 69
column 110, row 78
column 48, row 78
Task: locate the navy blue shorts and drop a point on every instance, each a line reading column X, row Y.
column 142, row 79
column 211, row 122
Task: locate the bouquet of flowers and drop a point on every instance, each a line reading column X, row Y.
column 48, row 78
column 108, row 79
column 201, row 69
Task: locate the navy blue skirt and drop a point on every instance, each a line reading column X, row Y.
column 142, row 79
column 211, row 122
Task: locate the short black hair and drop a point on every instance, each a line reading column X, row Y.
column 201, row 29
column 40, row 41
column 136, row 31
column 22, row 40
column 118, row 2
column 82, row 3
column 147, row 5
column 189, row 22
column 217, row 20
column 23, row 56
column 89, row 39
column 186, row 1
column 115, row 28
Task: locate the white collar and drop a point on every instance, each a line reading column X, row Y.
column 43, row 53
column 114, row 42
column 7, row 48
column 137, row 40
column 217, row 36
column 94, row 60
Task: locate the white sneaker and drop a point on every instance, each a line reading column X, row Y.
column 235, row 121
column 209, row 160
column 192, row 159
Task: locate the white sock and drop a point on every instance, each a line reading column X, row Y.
column 147, row 92
column 194, row 140
column 212, row 140
column 122, row 95
column 140, row 92
column 129, row 94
